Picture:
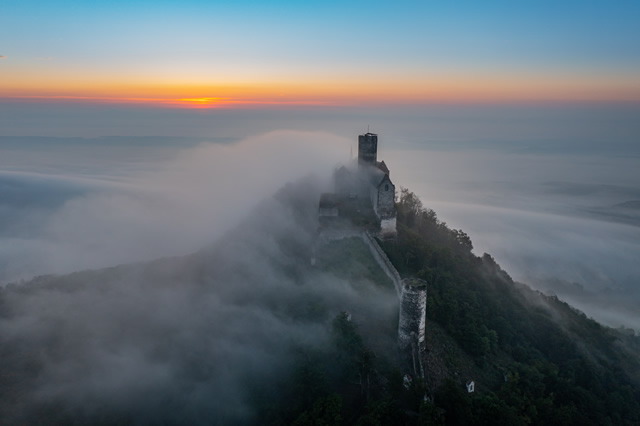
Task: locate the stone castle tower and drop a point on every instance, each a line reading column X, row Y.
column 367, row 180
column 367, row 149
column 412, row 321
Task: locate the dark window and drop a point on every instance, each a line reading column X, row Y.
column 386, row 186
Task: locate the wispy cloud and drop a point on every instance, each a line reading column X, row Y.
column 3, row 57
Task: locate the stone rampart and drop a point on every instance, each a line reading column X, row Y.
column 326, row 236
column 384, row 262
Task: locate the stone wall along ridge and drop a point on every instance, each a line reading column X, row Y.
column 384, row 262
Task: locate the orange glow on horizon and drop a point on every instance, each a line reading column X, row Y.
column 203, row 102
column 353, row 90
column 190, row 103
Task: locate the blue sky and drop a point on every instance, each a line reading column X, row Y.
column 268, row 45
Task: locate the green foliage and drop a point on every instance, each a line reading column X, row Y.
column 552, row 378
column 431, row 415
column 326, row 411
column 534, row 345
column 380, row 413
column 457, row 405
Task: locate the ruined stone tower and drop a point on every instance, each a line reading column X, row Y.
column 412, row 323
column 413, row 309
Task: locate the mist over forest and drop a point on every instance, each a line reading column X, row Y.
column 246, row 330
column 181, row 340
column 551, row 192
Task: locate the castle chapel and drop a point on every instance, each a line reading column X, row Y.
column 367, row 180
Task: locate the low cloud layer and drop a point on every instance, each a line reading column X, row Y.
column 555, row 219
column 123, row 210
column 202, row 339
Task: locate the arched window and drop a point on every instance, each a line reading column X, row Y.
column 386, row 186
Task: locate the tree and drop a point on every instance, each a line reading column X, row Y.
column 326, row 411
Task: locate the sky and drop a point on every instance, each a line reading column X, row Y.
column 249, row 53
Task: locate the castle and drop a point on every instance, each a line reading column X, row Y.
column 365, row 181
column 365, row 196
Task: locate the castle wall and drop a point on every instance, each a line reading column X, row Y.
column 385, row 199
column 373, row 194
column 383, row 261
column 328, row 212
column 326, row 236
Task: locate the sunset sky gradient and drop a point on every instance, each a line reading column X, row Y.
column 233, row 54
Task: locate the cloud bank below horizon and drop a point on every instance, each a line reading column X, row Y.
column 70, row 219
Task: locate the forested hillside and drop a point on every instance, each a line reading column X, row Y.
column 557, row 365
column 248, row 332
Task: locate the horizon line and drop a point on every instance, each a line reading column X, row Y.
column 212, row 102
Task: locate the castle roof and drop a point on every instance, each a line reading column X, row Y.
column 382, row 166
column 377, row 176
column 341, row 171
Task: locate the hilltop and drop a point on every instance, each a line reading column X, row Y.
column 248, row 332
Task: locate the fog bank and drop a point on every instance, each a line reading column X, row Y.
column 63, row 218
column 202, row 339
